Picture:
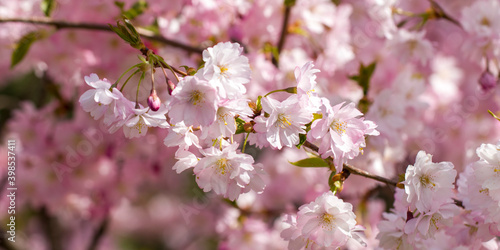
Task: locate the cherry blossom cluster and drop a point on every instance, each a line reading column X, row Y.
column 278, row 124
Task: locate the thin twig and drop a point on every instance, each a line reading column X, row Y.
column 284, row 32
column 51, row 229
column 96, row 237
column 102, row 27
column 438, row 10
column 145, row 51
column 352, row 169
column 4, row 244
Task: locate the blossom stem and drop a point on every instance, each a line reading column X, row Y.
column 137, row 92
column 245, row 143
column 152, row 77
column 352, row 169
column 292, row 90
column 126, row 71
column 126, row 81
column 59, row 24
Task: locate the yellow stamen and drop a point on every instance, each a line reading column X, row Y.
column 338, row 126
column 140, row 124
column 222, row 166
column 485, row 22
column 327, row 221
column 196, row 97
column 425, row 180
column 283, row 121
column 223, row 69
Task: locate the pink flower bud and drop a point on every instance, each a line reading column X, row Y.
column 487, row 81
column 154, row 101
column 171, row 86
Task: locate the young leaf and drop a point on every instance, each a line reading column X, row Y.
column 364, row 75
column 137, row 9
column 23, row 46
column 313, row 162
column 240, row 126
column 47, row 6
column 289, row 3
column 303, row 137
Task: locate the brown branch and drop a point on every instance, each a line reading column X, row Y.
column 51, row 229
column 284, row 32
column 145, row 52
column 96, row 237
column 439, row 12
column 147, row 34
column 4, row 243
column 352, row 169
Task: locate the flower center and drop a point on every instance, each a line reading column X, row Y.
column 196, row 97
column 222, row 166
column 485, row 22
column 223, row 116
column 327, row 221
column 139, row 125
column 426, row 181
column 283, row 121
column 338, row 126
column 484, row 191
column 223, row 70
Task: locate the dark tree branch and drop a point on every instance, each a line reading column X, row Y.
column 284, row 32
column 51, row 229
column 102, row 27
column 352, row 169
column 97, row 236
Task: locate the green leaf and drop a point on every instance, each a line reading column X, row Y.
column 330, row 180
column 313, row 162
column 23, row 46
column 303, row 137
column 302, row 140
column 190, row 71
column 120, row 5
column 269, row 48
column 47, row 6
column 289, row 3
column 259, row 102
column 336, row 2
column 134, row 11
column 364, row 75
column 153, row 27
column 120, row 33
column 128, row 33
column 240, row 123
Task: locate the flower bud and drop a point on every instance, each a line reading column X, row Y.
column 154, row 101
column 171, row 86
column 487, row 81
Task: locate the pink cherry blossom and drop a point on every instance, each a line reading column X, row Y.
column 341, row 132
column 194, row 102
column 226, row 69
column 326, row 222
column 228, row 172
column 285, row 122
column 428, row 184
